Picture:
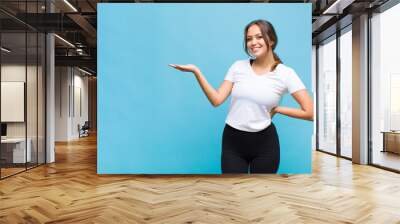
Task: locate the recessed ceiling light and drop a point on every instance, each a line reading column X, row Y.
column 337, row 7
column 64, row 40
column 5, row 50
column 71, row 6
column 84, row 71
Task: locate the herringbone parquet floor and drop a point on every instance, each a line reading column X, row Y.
column 70, row 191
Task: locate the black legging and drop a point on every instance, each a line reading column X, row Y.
column 254, row 152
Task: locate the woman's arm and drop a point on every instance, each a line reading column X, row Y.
column 304, row 100
column 216, row 97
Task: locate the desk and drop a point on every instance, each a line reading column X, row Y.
column 16, row 147
column 391, row 141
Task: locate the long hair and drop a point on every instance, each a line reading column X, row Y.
column 269, row 35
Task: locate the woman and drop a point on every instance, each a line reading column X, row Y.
column 250, row 142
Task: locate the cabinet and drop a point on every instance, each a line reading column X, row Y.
column 13, row 150
column 391, row 141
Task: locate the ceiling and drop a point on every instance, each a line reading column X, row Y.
column 76, row 22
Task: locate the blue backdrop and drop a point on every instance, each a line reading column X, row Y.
column 153, row 119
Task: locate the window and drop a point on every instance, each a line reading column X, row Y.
column 385, row 89
column 327, row 95
column 346, row 74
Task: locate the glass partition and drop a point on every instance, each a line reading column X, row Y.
column 327, row 95
column 14, row 153
column 32, row 95
column 22, row 77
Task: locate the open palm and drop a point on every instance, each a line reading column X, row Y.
column 185, row 68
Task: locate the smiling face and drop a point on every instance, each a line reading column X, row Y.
column 256, row 45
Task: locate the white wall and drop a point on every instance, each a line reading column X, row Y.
column 71, row 93
column 79, row 112
column 9, row 73
column 62, row 81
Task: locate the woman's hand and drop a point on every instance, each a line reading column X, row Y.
column 274, row 111
column 304, row 100
column 216, row 97
column 186, row 68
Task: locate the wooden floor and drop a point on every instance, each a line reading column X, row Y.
column 387, row 159
column 5, row 172
column 70, row 191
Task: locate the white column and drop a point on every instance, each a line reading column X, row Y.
column 50, row 93
column 50, row 100
column 360, row 90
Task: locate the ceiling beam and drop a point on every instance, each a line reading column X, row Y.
column 84, row 61
column 86, row 26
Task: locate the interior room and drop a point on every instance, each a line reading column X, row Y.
column 51, row 129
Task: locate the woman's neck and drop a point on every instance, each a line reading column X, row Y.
column 265, row 61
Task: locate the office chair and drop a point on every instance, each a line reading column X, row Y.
column 84, row 130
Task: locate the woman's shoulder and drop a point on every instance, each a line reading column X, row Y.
column 239, row 65
column 241, row 62
column 284, row 69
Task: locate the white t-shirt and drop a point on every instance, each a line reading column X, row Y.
column 254, row 96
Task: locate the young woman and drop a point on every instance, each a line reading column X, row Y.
column 250, row 142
